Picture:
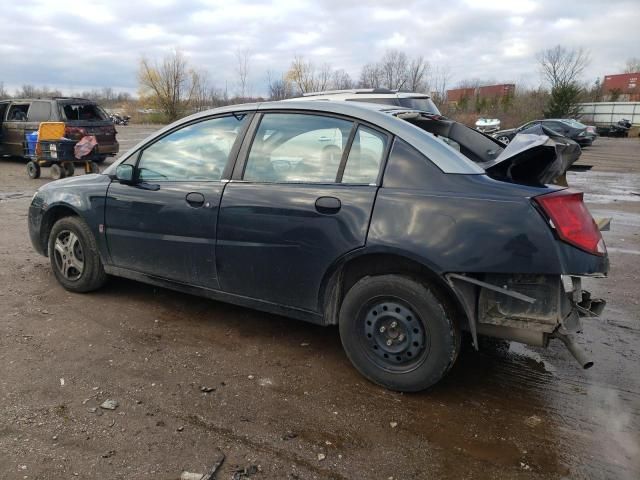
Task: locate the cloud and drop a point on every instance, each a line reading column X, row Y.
column 72, row 46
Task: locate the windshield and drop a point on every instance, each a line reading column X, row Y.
column 89, row 112
column 419, row 103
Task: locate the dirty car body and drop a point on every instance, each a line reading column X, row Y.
column 334, row 213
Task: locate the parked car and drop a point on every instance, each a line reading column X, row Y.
column 19, row 117
column 382, row 96
column 336, row 213
column 569, row 128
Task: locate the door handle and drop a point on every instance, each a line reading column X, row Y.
column 328, row 205
column 195, row 199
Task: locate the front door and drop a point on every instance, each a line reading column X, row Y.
column 3, row 113
column 165, row 223
column 303, row 200
column 15, row 126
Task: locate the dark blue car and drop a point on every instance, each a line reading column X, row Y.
column 336, row 213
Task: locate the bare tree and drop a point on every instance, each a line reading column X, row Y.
column 394, row 69
column 438, row 80
column 3, row 92
column 279, row 87
column 242, row 70
column 561, row 66
column 340, row 80
column 302, row 75
column 417, row 75
column 169, row 84
column 370, row 76
column 632, row 65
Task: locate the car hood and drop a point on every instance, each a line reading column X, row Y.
column 535, row 156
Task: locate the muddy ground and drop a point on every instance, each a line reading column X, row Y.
column 283, row 395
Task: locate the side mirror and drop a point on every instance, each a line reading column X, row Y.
column 124, row 173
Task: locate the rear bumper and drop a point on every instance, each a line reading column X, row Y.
column 530, row 309
column 108, row 148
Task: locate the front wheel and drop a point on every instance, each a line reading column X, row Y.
column 74, row 257
column 504, row 140
column 398, row 333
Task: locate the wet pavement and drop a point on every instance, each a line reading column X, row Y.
column 192, row 376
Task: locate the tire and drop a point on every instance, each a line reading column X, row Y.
column 33, row 170
column 504, row 139
column 69, row 169
column 57, row 172
column 74, row 257
column 397, row 332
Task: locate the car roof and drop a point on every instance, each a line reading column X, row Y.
column 384, row 116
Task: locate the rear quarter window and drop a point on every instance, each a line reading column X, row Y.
column 40, row 112
column 407, row 168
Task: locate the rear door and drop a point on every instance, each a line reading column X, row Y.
column 302, row 199
column 165, row 225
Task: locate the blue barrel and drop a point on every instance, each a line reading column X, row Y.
column 32, row 141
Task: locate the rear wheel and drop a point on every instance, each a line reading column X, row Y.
column 33, row 170
column 57, row 172
column 397, row 332
column 69, row 169
column 504, row 139
column 74, row 257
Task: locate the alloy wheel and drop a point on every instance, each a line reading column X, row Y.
column 68, row 255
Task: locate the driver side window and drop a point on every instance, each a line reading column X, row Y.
column 197, row 152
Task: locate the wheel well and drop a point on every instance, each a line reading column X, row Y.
column 350, row 272
column 50, row 218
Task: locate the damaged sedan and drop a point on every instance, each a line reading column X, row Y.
column 397, row 227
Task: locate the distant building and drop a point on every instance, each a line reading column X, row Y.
column 486, row 92
column 624, row 87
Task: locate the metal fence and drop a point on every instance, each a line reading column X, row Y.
column 606, row 113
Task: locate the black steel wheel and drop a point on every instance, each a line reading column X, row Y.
column 33, row 170
column 69, row 169
column 74, row 256
column 398, row 333
column 57, row 172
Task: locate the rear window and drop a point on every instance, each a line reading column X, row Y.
column 419, row 103
column 87, row 112
column 574, row 123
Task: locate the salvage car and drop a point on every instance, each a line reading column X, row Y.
column 567, row 127
column 339, row 213
column 20, row 116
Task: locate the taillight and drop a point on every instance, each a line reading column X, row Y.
column 74, row 133
column 572, row 221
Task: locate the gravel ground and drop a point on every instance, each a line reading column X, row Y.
column 193, row 378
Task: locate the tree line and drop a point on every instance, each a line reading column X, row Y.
column 173, row 87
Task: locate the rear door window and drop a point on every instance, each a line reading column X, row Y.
column 40, row 112
column 365, row 156
column 18, row 112
column 297, row 148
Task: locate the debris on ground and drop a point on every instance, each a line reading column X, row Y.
column 204, row 389
column 245, row 472
column 190, row 476
column 532, row 421
column 109, row 454
column 109, row 405
column 289, row 436
column 393, row 424
column 211, row 474
column 321, row 457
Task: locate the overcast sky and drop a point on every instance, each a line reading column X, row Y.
column 83, row 45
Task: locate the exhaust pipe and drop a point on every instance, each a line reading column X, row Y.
column 578, row 353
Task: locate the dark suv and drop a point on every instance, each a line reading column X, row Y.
column 81, row 117
column 336, row 213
